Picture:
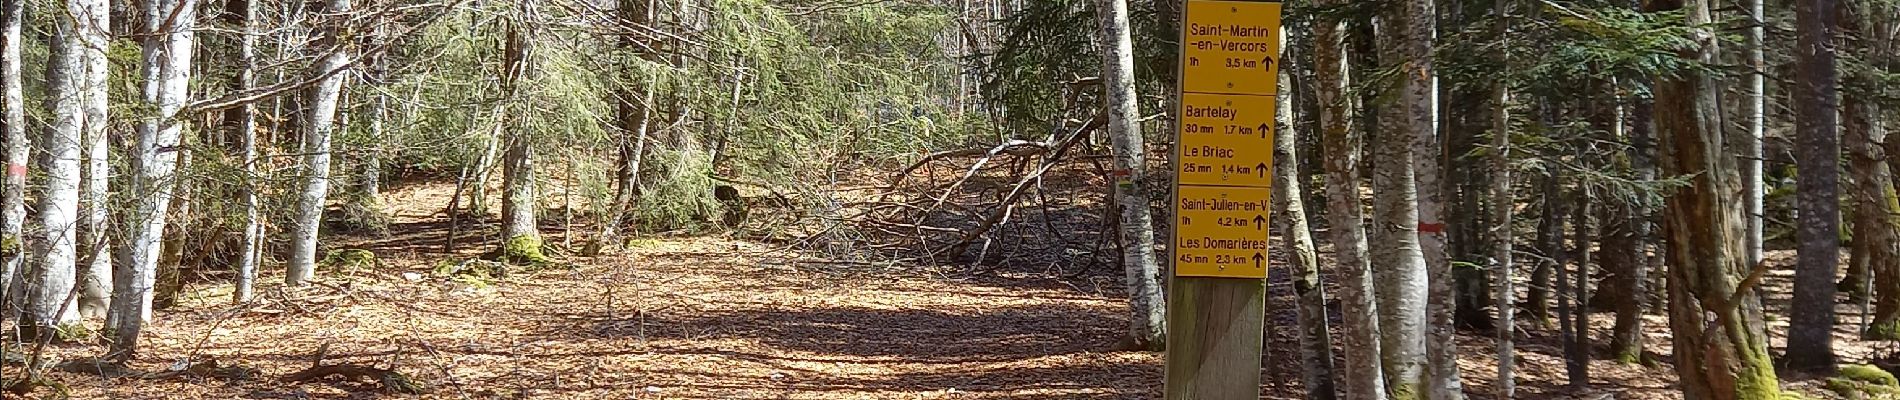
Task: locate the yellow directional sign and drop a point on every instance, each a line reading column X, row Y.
column 1231, row 47
column 1223, row 163
column 1221, row 231
column 1226, row 140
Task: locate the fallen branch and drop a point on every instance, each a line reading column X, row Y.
column 1008, row 202
column 392, row 381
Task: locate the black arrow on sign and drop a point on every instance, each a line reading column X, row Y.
column 1267, row 62
column 1264, row 128
column 1259, row 261
column 1259, row 222
column 1262, row 169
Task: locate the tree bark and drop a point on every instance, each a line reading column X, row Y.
column 1752, row 118
column 247, row 129
column 1502, row 206
column 1147, row 322
column 1316, row 343
column 1577, row 350
column 13, row 130
column 521, row 238
column 1817, row 141
column 55, row 273
column 1720, row 345
column 167, row 50
column 1399, row 271
column 319, row 127
column 1361, row 376
column 633, row 112
column 95, row 276
column 1420, row 98
column 1876, row 205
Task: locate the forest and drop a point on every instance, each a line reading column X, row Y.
column 943, row 199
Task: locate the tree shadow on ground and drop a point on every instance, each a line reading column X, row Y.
column 924, row 335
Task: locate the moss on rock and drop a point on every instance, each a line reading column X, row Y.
column 348, row 260
column 1868, row 374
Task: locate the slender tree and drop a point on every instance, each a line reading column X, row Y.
column 1502, row 203
column 1316, row 343
column 54, row 273
column 95, row 275
column 1577, row 351
column 1361, row 376
column 13, row 131
column 1817, row 140
column 1420, row 95
column 318, row 128
column 1754, row 89
column 1720, row 346
column 1398, row 267
column 167, row 43
column 247, row 130
column 1147, row 324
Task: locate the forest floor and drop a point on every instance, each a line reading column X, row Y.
column 714, row 318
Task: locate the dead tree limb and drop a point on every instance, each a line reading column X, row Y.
column 1007, row 205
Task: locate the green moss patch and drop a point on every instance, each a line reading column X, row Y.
column 351, row 260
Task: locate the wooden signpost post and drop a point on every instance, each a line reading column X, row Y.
column 1223, row 182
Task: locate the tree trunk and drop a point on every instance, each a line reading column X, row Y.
column 1147, row 322
column 1752, row 118
column 1502, row 205
column 1876, row 205
column 1623, row 256
column 521, row 239
column 53, row 277
column 1577, row 350
column 1420, row 98
column 1817, row 143
column 633, row 111
column 319, row 127
column 95, row 275
column 1720, row 345
column 13, row 131
column 1361, row 375
column 253, row 228
column 167, row 51
column 1399, row 271
column 1316, row 343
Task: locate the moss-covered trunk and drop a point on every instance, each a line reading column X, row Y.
column 1721, row 348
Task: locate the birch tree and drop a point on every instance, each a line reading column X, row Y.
column 1361, row 376
column 1721, row 348
column 167, row 43
column 318, row 129
column 249, row 251
column 54, row 274
column 1398, row 265
column 13, row 131
column 1817, row 145
column 1420, row 98
column 1752, row 119
column 1316, row 343
column 95, row 274
column 1502, row 203
column 1147, row 321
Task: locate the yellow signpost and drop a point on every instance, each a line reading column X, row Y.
column 1223, row 170
column 1229, row 72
